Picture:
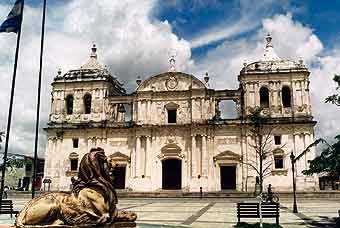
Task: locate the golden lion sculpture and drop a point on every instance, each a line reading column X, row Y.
column 92, row 200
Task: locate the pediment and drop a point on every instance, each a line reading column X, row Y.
column 227, row 155
column 278, row 151
column 118, row 156
column 171, row 81
column 73, row 155
column 171, row 148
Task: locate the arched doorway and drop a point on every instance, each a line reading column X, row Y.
column 118, row 161
column 172, row 174
column 119, row 174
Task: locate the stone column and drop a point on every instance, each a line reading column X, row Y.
column 256, row 94
column 58, row 169
column 90, row 143
column 199, row 157
column 210, row 162
column 148, row 111
column 147, row 156
column 139, row 111
column 138, row 156
column 193, row 156
column 204, row 158
column 133, row 159
column 98, row 141
column 48, row 161
column 202, row 109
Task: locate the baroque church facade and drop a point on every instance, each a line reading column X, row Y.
column 169, row 134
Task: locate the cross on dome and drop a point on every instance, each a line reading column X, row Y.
column 172, row 59
column 93, row 51
column 172, row 62
column 269, row 52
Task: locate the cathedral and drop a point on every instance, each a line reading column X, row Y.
column 169, row 133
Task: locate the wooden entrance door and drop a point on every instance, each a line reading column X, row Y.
column 228, row 177
column 172, row 174
column 119, row 177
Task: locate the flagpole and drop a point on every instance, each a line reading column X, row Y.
column 9, row 118
column 35, row 166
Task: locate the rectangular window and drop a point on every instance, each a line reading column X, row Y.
column 74, row 164
column 172, row 115
column 277, row 139
column 278, row 162
column 75, row 143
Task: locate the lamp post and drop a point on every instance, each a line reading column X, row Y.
column 292, row 158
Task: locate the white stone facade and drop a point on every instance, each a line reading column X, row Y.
column 176, row 138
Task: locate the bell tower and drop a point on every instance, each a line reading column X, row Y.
column 81, row 95
column 279, row 86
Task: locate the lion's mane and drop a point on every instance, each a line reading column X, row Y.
column 93, row 174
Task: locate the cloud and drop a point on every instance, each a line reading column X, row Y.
column 291, row 40
column 130, row 42
column 240, row 17
column 221, row 32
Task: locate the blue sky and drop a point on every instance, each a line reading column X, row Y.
column 189, row 18
column 134, row 38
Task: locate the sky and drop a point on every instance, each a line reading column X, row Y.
column 135, row 38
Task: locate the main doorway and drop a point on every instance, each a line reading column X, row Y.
column 171, row 174
column 119, row 177
column 228, row 177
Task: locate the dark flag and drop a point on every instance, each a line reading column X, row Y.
column 14, row 18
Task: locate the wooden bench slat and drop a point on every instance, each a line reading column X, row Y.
column 7, row 208
column 251, row 210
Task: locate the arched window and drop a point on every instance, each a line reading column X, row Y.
column 286, row 97
column 69, row 104
column 264, row 97
column 87, row 103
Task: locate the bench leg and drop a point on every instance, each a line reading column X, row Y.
column 238, row 220
column 277, row 220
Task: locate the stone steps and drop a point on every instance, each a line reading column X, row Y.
column 221, row 194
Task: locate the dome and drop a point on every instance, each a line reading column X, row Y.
column 271, row 62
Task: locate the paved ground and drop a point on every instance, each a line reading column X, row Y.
column 217, row 213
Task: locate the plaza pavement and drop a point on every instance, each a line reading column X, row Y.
column 216, row 213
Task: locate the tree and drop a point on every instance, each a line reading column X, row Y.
column 328, row 161
column 335, row 98
column 261, row 134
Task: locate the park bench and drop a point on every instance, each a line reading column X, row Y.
column 251, row 210
column 7, row 207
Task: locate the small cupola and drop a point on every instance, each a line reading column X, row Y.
column 269, row 52
column 93, row 63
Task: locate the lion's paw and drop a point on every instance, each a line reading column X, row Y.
column 126, row 216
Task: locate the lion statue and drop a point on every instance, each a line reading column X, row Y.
column 92, row 200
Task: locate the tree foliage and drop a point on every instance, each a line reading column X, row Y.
column 335, row 98
column 328, row 161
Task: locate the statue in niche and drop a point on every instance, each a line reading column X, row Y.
column 92, row 200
